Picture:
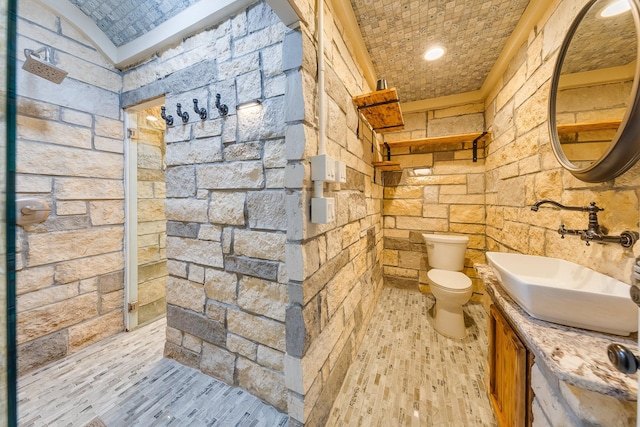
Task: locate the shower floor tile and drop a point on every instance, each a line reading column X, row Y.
column 125, row 381
column 406, row 374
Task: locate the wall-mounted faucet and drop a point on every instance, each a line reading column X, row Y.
column 594, row 232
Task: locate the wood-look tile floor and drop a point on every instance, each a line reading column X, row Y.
column 406, row 374
column 125, row 381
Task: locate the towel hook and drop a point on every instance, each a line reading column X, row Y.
column 200, row 111
column 183, row 115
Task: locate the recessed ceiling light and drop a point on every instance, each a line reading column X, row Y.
column 615, row 8
column 434, row 53
column 152, row 118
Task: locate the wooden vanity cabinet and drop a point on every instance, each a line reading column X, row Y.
column 509, row 373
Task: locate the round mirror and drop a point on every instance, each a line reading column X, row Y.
column 593, row 105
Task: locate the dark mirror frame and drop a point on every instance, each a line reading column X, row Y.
column 624, row 150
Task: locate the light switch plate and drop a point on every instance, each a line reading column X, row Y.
column 341, row 172
column 323, row 168
column 323, row 210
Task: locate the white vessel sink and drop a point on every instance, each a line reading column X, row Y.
column 562, row 292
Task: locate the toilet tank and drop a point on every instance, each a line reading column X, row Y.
column 445, row 251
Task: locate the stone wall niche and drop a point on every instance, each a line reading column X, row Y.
column 439, row 190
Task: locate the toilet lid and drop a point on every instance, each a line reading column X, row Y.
column 449, row 279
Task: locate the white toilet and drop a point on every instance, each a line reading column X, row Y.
column 450, row 287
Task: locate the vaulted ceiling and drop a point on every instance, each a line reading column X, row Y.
column 396, row 34
column 123, row 21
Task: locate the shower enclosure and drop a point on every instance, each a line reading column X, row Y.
column 8, row 416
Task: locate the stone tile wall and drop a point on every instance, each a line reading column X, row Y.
column 335, row 269
column 225, row 200
column 521, row 167
column 70, row 153
column 152, row 222
column 440, row 190
column 258, row 295
column 593, row 103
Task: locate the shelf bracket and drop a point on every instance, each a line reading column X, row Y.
column 384, row 128
column 475, row 146
column 378, row 104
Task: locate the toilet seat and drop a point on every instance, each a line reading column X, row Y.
column 451, row 281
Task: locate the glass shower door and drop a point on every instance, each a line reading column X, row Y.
column 8, row 371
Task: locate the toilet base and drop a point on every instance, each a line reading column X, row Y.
column 449, row 321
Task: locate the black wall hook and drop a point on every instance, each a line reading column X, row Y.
column 201, row 111
column 184, row 116
column 167, row 119
column 222, row 108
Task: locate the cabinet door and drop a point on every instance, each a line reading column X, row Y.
column 507, row 372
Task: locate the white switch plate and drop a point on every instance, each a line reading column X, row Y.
column 323, row 168
column 341, row 172
column 323, row 210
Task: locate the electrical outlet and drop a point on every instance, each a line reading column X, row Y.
column 323, row 168
column 323, row 210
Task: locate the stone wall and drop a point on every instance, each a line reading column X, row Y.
column 70, row 153
column 334, row 269
column 519, row 168
column 226, row 224
column 594, row 103
column 229, row 216
column 522, row 169
column 439, row 190
column 152, row 222
column 258, row 296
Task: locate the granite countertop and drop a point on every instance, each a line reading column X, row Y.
column 575, row 356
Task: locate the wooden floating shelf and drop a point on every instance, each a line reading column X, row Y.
column 387, row 166
column 590, row 126
column 381, row 109
column 435, row 140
